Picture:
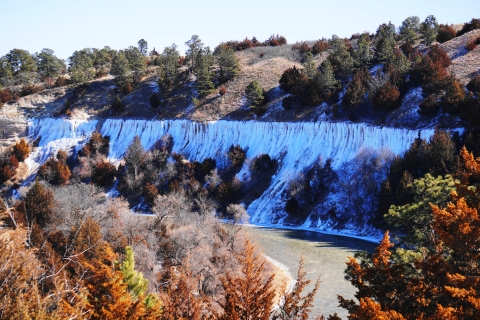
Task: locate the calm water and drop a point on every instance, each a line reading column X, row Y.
column 325, row 255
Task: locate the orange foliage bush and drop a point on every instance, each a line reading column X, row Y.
column 386, row 98
column 222, row 90
column 319, row 47
column 6, row 95
column 31, row 89
column 127, row 88
column 60, row 82
column 21, row 150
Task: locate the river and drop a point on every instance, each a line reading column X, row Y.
column 325, row 256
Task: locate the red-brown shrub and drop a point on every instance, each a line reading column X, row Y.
column 319, row 47
column 454, row 96
column 222, row 90
column 103, row 173
column 181, row 60
column 150, row 192
column 357, row 88
column 429, row 106
column 386, row 98
column 6, row 95
column 471, row 44
column 60, row 82
column 127, row 88
column 245, row 44
column 293, row 81
column 262, row 54
column 48, row 82
column 31, row 89
column 445, row 33
column 16, row 97
column 301, row 47
column 439, row 56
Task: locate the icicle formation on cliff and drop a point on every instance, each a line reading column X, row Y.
column 295, row 145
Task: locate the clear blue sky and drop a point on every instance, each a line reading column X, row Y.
column 65, row 26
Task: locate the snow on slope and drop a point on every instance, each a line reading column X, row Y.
column 295, row 145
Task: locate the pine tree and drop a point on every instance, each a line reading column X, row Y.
column 81, row 66
column 204, row 75
column 429, row 29
column 254, row 95
column 385, row 43
column 120, row 69
column 326, row 78
column 250, row 294
column 143, row 46
column 410, row 28
column 310, row 67
column 362, row 53
column 137, row 284
column 195, row 46
column 228, row 63
column 48, row 65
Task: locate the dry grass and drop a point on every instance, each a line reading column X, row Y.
column 267, row 72
column 465, row 64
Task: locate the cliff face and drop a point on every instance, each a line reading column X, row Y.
column 296, row 146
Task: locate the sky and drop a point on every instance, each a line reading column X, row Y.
column 66, row 26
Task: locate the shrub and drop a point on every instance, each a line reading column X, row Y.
column 471, row 44
column 261, row 164
column 469, row 26
column 60, row 82
column 293, row 81
column 117, row 105
column 31, row 89
column 445, row 33
column 222, row 90
column 150, row 192
column 288, row 102
column 386, row 98
column 5, row 95
column 21, row 150
column 236, row 155
column 301, row 47
column 429, row 106
column 319, row 47
column 357, row 88
column 127, row 88
column 454, row 96
column 439, row 56
column 262, row 54
column 474, row 84
column 407, row 48
column 155, row 101
column 103, row 173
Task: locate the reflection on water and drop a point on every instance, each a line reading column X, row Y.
column 325, row 255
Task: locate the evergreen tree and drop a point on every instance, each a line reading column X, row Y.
column 48, row 65
column 254, row 95
column 310, row 67
column 143, row 46
column 137, row 284
column 362, row 53
column 228, row 64
column 429, row 30
column 204, row 75
column 6, row 73
column 195, row 47
column 385, row 42
column 168, row 70
column 135, row 157
column 81, row 66
column 409, row 29
column 326, row 78
column 121, row 69
column 136, row 63
column 103, row 58
column 21, row 61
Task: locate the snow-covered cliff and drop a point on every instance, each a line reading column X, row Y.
column 295, row 145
